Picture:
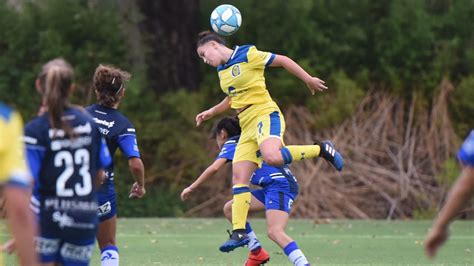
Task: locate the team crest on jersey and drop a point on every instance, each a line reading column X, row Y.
column 235, row 70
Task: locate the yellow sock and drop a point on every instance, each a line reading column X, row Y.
column 240, row 206
column 299, row 152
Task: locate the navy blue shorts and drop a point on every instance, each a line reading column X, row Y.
column 68, row 252
column 67, row 237
column 276, row 196
column 107, row 201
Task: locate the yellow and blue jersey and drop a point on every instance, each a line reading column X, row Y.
column 242, row 76
column 13, row 170
column 466, row 152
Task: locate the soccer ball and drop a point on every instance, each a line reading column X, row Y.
column 226, row 20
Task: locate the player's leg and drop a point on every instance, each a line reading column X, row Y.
column 107, row 242
column 257, row 254
column 107, row 229
column 277, row 221
column 241, row 172
column 271, row 128
column 256, row 205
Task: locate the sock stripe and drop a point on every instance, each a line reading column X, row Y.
column 286, row 154
column 109, row 248
column 290, row 248
column 248, row 228
column 240, row 190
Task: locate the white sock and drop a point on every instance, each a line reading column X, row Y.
column 295, row 255
column 254, row 243
column 109, row 256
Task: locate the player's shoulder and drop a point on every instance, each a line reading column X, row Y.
column 5, row 112
column 466, row 152
column 37, row 123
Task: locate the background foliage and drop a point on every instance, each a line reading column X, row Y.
column 399, row 46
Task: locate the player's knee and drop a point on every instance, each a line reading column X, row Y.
column 238, row 178
column 273, row 158
column 228, row 210
column 274, row 233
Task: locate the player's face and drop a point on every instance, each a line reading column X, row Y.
column 221, row 138
column 209, row 53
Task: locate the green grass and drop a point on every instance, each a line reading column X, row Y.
column 167, row 241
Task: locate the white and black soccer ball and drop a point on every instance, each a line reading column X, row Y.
column 226, row 20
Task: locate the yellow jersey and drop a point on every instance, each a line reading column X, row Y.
column 242, row 77
column 13, row 170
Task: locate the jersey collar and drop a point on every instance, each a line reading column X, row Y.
column 238, row 56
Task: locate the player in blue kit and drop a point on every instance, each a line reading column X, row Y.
column 457, row 199
column 279, row 190
column 109, row 86
column 66, row 155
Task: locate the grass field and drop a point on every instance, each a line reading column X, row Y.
column 167, row 241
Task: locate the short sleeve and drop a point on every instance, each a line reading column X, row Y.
column 260, row 59
column 227, row 151
column 127, row 140
column 466, row 152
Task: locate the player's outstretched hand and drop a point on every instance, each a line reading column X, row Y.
column 314, row 85
column 137, row 191
column 435, row 239
column 203, row 116
column 186, row 193
column 9, row 246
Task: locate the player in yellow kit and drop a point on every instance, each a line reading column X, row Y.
column 241, row 74
column 16, row 181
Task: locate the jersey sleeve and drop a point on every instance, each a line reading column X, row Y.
column 35, row 150
column 127, row 141
column 466, row 152
column 260, row 59
column 104, row 155
column 227, row 151
column 13, row 168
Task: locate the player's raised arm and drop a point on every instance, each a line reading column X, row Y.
column 314, row 84
column 219, row 108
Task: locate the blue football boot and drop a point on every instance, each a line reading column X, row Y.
column 329, row 152
column 238, row 238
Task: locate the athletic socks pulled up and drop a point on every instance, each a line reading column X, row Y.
column 295, row 255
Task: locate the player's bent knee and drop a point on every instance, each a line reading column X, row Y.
column 274, row 232
column 240, row 179
column 273, row 159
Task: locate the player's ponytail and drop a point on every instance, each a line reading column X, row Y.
column 229, row 124
column 109, row 82
column 207, row 36
column 55, row 81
